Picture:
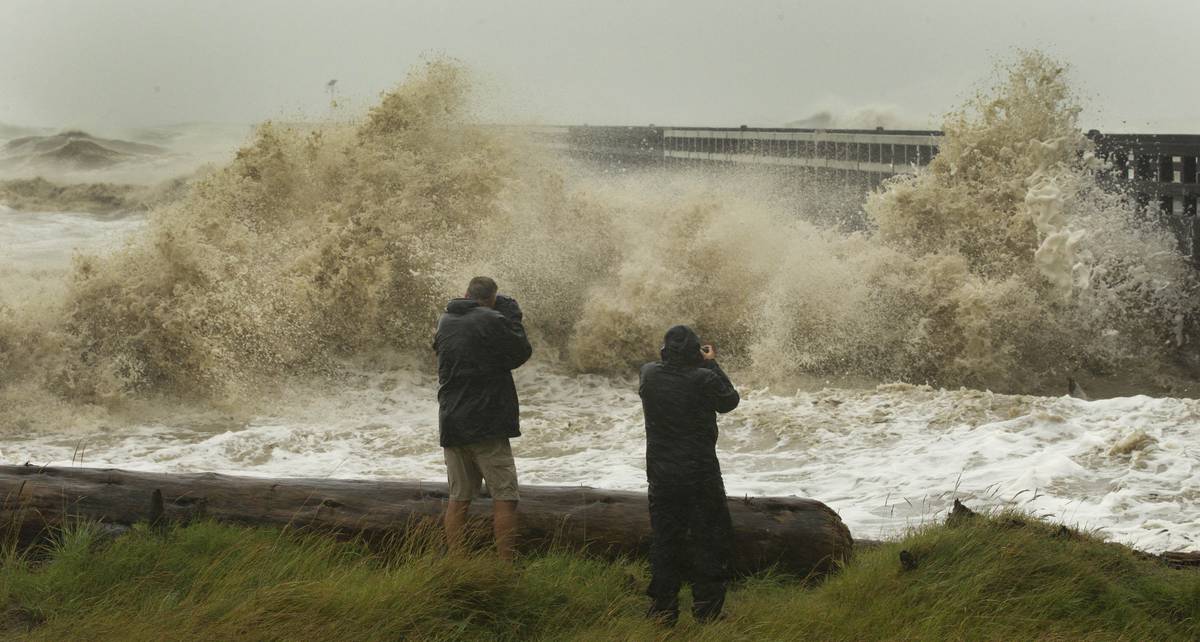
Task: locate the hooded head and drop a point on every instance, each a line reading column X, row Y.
column 681, row 347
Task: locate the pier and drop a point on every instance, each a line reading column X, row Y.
column 1158, row 170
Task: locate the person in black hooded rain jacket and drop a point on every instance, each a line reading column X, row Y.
column 692, row 531
column 480, row 339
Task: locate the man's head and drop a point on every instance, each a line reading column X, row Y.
column 483, row 290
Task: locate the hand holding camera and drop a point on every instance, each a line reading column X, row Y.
column 507, row 306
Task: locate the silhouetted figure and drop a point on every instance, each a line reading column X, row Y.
column 693, row 534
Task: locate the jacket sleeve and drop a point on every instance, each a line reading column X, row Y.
column 718, row 390
column 437, row 334
column 511, row 339
column 519, row 349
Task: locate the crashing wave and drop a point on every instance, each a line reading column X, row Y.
column 1001, row 265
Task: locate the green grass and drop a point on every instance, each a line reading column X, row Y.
column 986, row 579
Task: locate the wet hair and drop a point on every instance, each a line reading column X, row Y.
column 481, row 288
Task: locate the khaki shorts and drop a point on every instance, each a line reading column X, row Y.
column 468, row 466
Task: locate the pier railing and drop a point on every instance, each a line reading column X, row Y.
column 860, row 151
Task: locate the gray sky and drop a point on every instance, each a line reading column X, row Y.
column 701, row 62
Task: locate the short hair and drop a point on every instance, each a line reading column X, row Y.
column 482, row 288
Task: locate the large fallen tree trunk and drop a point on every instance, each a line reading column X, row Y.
column 800, row 535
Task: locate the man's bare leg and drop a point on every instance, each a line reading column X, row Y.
column 456, row 522
column 504, row 523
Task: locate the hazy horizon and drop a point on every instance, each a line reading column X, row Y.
column 130, row 63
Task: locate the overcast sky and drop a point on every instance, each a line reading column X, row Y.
column 141, row 62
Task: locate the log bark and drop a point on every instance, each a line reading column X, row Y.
column 1181, row 559
column 802, row 536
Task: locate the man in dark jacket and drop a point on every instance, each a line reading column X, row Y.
column 693, row 534
column 480, row 339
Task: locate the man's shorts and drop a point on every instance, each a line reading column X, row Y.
column 468, row 466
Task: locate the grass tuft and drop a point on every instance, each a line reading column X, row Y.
column 998, row 577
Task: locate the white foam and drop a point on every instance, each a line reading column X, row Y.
column 47, row 239
column 884, row 459
column 36, row 248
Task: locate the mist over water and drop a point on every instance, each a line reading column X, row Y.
column 284, row 307
column 117, row 158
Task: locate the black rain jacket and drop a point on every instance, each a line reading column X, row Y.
column 681, row 396
column 477, row 348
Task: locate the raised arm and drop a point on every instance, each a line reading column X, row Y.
column 511, row 339
column 718, row 389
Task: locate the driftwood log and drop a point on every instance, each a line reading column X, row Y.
column 802, row 536
column 1181, row 559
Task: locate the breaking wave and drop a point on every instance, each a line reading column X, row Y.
column 1002, row 265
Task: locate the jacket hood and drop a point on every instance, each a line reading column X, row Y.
column 461, row 306
column 681, row 347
